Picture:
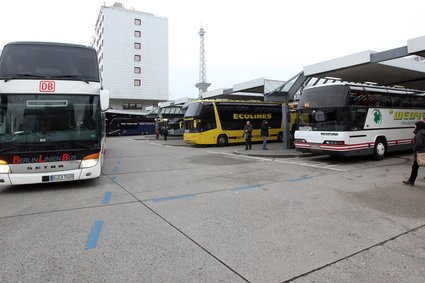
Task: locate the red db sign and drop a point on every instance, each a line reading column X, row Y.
column 47, row 86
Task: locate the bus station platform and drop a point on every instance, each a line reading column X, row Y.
column 274, row 149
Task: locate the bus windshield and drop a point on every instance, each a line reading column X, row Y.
column 325, row 108
column 202, row 117
column 63, row 62
column 324, row 96
column 332, row 119
column 31, row 122
column 194, row 109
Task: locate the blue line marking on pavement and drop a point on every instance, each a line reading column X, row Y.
column 94, row 235
column 299, row 179
column 173, row 198
column 106, row 197
column 114, row 178
column 246, row 188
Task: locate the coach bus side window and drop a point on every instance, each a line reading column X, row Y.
column 378, row 99
column 406, row 102
column 418, row 102
column 357, row 119
column 358, row 98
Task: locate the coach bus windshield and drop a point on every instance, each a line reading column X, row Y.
column 50, row 61
column 325, row 108
column 326, row 96
column 31, row 122
column 200, row 117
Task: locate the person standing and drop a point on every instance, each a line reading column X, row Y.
column 247, row 135
column 164, row 132
column 419, row 147
column 265, row 133
column 157, row 128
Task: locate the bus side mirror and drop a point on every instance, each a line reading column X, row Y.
column 104, row 100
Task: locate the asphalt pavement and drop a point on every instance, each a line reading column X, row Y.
column 165, row 211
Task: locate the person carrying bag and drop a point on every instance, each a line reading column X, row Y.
column 419, row 152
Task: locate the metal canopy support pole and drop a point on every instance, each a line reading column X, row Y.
column 285, row 122
column 285, row 108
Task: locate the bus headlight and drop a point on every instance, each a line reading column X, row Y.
column 90, row 160
column 4, row 167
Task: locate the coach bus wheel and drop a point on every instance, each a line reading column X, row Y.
column 379, row 149
column 222, row 140
column 280, row 136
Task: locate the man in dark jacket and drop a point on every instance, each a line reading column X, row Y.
column 247, row 135
column 265, row 133
column 164, row 133
column 419, row 147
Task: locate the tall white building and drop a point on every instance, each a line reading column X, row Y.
column 133, row 56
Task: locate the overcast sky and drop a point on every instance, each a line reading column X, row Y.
column 244, row 39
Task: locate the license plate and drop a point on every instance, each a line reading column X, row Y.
column 305, row 128
column 62, row 177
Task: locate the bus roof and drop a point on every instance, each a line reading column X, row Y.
column 48, row 43
column 235, row 101
column 367, row 86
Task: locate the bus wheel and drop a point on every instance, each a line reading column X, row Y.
column 222, row 140
column 380, row 149
column 280, row 136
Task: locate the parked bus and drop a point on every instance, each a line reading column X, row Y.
column 176, row 127
column 345, row 119
column 121, row 122
column 221, row 122
column 51, row 121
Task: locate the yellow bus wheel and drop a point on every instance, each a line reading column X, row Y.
column 222, row 140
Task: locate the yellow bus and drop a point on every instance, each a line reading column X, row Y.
column 221, row 122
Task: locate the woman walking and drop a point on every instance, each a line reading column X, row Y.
column 419, row 147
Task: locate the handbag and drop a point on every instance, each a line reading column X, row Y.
column 420, row 158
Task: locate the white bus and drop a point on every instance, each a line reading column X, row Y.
column 51, row 113
column 345, row 119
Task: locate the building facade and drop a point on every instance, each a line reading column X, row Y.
column 132, row 48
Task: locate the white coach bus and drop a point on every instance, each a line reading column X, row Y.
column 52, row 125
column 345, row 119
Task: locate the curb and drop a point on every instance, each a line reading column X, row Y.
column 276, row 154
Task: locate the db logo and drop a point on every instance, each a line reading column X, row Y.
column 47, row 86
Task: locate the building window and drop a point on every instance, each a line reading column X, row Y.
column 137, row 70
column 138, row 22
column 137, row 58
column 137, row 82
column 137, row 45
column 132, row 106
column 137, row 33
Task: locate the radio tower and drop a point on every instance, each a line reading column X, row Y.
column 202, row 85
